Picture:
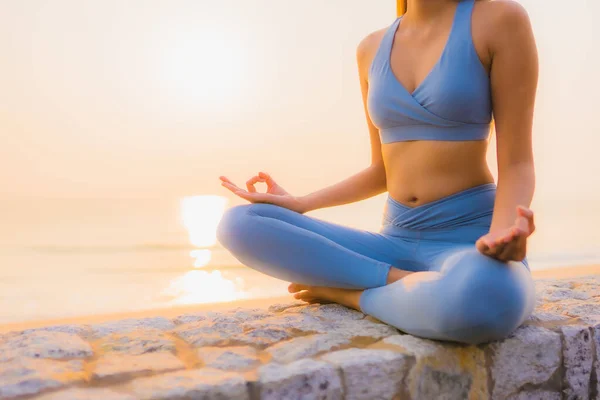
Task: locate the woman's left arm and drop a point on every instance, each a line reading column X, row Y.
column 513, row 76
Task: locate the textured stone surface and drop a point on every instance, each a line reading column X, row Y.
column 578, row 357
column 596, row 337
column 237, row 315
column 200, row 384
column 131, row 325
column 44, row 344
column 303, row 379
column 371, row 374
column 145, row 341
column 362, row 328
column 306, row 346
column 537, row 395
column 298, row 351
column 208, row 332
column 229, row 358
column 27, row 376
column 530, row 356
column 87, row 394
column 443, row 371
column 326, row 311
column 82, row 330
column 262, row 337
column 300, row 322
column 124, row 366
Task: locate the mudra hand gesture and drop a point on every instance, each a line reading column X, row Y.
column 509, row 244
column 275, row 194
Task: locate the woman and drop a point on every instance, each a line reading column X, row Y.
column 449, row 262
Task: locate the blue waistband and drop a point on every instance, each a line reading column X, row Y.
column 467, row 214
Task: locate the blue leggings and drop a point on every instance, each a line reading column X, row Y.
column 470, row 298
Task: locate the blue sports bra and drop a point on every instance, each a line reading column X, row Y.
column 452, row 103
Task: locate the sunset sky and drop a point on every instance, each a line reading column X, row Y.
column 156, row 99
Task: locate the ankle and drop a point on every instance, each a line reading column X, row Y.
column 395, row 274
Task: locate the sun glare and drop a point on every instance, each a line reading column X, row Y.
column 206, row 66
column 201, row 215
column 204, row 287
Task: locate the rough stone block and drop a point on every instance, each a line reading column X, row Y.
column 327, row 311
column 279, row 307
column 44, row 344
column 578, row 356
column 262, row 337
column 146, row 341
column 86, row 394
column 206, row 384
column 131, row 325
column 236, row 358
column 537, row 395
column 72, row 329
column 530, row 356
column 207, row 332
column 362, row 328
column 27, row 376
column 443, row 370
column 301, row 380
column 290, row 321
column 371, row 374
column 596, row 337
column 305, row 346
column 236, row 315
column 123, row 366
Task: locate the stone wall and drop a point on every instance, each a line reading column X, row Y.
column 294, row 351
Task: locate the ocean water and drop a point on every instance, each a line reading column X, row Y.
column 65, row 258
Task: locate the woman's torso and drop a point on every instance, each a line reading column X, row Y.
column 421, row 171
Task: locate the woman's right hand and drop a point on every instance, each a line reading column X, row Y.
column 275, row 194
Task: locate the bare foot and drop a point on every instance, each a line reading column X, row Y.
column 347, row 297
column 324, row 295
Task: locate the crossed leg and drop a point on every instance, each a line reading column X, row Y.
column 461, row 295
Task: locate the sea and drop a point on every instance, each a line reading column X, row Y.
column 64, row 258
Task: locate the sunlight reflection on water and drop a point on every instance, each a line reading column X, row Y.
column 200, row 216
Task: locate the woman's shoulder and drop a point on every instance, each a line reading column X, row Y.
column 499, row 15
column 495, row 20
column 367, row 47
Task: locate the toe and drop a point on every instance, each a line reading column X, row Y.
column 304, row 296
column 296, row 287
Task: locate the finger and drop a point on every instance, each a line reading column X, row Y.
column 232, row 187
column 481, row 246
column 507, row 253
column 227, row 181
column 252, row 181
column 488, row 240
column 251, row 197
column 496, row 250
column 258, row 197
column 270, row 181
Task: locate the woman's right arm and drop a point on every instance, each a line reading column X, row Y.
column 371, row 181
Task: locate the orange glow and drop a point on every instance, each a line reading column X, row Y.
column 400, row 7
column 201, row 215
column 196, row 287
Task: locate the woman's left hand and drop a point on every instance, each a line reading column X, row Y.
column 509, row 244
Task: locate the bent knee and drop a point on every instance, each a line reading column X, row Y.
column 239, row 221
column 489, row 298
column 232, row 223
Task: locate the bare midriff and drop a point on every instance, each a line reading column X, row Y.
column 419, row 172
